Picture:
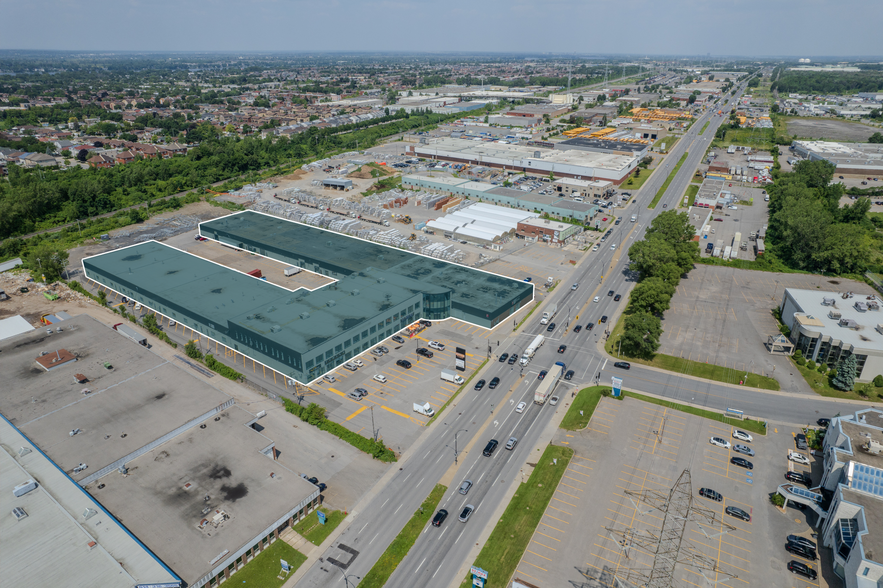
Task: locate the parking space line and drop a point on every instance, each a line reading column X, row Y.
column 556, row 518
column 537, row 554
column 580, row 473
column 566, row 494
column 582, row 466
column 401, row 414
column 564, row 501
column 559, row 510
column 359, row 410
column 549, row 536
column 541, row 545
column 574, row 479
column 536, row 566
column 551, row 527
column 646, row 472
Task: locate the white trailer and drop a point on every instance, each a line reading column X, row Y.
column 532, row 348
column 550, row 312
column 291, row 271
column 727, row 250
column 548, row 383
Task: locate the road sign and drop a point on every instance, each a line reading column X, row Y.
column 617, row 387
column 285, row 566
column 322, row 517
column 479, row 577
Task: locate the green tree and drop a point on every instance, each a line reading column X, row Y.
column 855, row 213
column 846, row 249
column 82, row 155
column 876, row 138
column 801, row 227
column 845, row 378
column 672, row 226
column 102, row 297
column 192, row 350
column 651, row 295
column 650, row 254
column 48, row 260
column 640, row 336
column 815, row 174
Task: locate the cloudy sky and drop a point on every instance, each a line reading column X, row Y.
column 807, row 28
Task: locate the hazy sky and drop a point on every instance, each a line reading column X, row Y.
column 807, row 28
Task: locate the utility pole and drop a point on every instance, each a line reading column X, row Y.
column 373, row 430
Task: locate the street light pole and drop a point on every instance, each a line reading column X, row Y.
column 455, row 443
column 373, row 429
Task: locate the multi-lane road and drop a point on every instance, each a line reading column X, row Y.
column 437, row 556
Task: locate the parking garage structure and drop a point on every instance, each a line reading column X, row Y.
column 304, row 334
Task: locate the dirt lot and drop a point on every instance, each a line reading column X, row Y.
column 831, row 130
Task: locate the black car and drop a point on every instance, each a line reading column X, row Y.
column 490, row 448
column 404, row 363
column 823, row 422
column 513, row 358
column 803, row 541
column 801, row 551
column 551, row 327
column 738, row 513
column 742, row 462
column 800, row 441
column 617, row 298
column 440, row 517
column 425, row 323
column 590, row 326
column 610, row 293
column 800, row 568
column 424, row 352
column 542, row 375
column 314, row 480
column 493, row 383
column 710, row 494
column 479, row 384
column 562, row 348
column 568, row 375
column 798, row 478
column 504, row 357
column 577, row 328
column 622, row 364
column 604, row 319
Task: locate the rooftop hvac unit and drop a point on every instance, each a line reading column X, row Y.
column 23, row 489
column 19, row 513
column 873, row 447
column 833, row 314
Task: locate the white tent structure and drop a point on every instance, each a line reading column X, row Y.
column 481, row 223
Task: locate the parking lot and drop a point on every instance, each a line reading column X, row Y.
column 745, row 220
column 630, row 446
column 722, row 316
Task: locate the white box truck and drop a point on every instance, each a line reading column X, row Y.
column 425, row 409
column 290, row 271
column 550, row 312
column 531, row 349
column 449, row 376
column 548, row 383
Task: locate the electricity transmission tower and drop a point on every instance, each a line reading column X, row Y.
column 669, row 548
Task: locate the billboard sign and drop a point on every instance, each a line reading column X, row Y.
column 460, row 358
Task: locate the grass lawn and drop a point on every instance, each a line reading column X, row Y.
column 262, row 571
column 504, row 548
column 692, row 190
column 758, row 138
column 398, row 549
column 385, row 185
column 669, row 141
column 746, row 425
column 691, row 368
column 668, row 181
column 821, row 385
column 315, row 532
column 634, row 183
column 705, row 126
column 586, row 400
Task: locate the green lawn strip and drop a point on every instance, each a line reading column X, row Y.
column 669, row 141
column 527, row 316
column 821, row 385
column 315, row 532
column 692, row 190
column 510, row 537
column 398, row 549
column 745, row 424
column 668, row 180
column 636, row 183
column 585, row 402
column 263, row 570
column 705, row 126
column 457, row 393
column 698, row 369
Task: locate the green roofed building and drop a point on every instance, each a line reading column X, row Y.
column 380, row 290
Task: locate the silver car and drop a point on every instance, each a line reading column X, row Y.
column 465, row 486
column 743, row 449
column 467, row 512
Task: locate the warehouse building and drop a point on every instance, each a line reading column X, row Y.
column 480, row 223
column 146, row 475
column 583, row 188
column 829, row 326
column 529, row 201
column 380, row 291
column 582, row 165
column 539, row 229
column 619, row 146
column 863, row 159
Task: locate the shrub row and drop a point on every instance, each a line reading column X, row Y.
column 223, row 369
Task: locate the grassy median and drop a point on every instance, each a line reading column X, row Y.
column 505, row 547
column 745, row 424
column 585, row 402
column 668, row 180
column 401, row 545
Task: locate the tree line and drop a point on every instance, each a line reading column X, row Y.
column 812, row 82
column 666, row 253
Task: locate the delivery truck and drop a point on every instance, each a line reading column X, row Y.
column 449, row 376
column 531, row 349
column 550, row 312
column 290, row 271
column 425, row 409
column 548, row 383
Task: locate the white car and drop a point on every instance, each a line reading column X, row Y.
column 436, row 345
column 553, row 401
column 733, row 207
column 597, row 299
column 521, row 406
column 595, row 248
column 798, row 457
column 742, row 436
column 358, row 363
column 329, row 378
column 717, row 441
column 380, row 378
column 612, row 247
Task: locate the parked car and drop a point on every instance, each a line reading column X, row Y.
column 439, row 518
column 383, row 348
column 377, row 351
column 404, row 363
column 622, row 365
column 493, row 383
column 826, row 422
column 798, row 478
column 717, row 441
column 479, row 385
column 436, row 345
column 358, row 363
column 710, row 494
column 504, row 357
column 424, row 352
column 467, row 512
column 329, row 378
column 354, row 396
column 380, row 378
column 798, row 457
column 800, row 568
column 801, row 551
column 742, row 463
column 738, row 513
column 361, row 392
column 398, row 339
column 798, row 540
column 562, row 348
column 743, row 449
column 800, row 441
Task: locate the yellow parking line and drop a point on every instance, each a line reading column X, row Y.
column 537, row 554
column 559, row 510
column 567, row 503
column 549, row 536
column 401, row 414
column 556, row 518
column 338, row 392
column 536, row 566
column 566, row 494
column 553, row 528
column 358, row 410
column 541, row 545
column 574, row 479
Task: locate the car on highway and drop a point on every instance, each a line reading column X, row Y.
column 611, row 293
column 439, row 518
column 380, row 378
column 622, row 365
column 710, row 494
column 718, row 442
column 738, row 513
column 436, row 345
column 590, row 326
column 738, row 447
column 742, row 436
column 569, row 375
column 404, row 363
column 512, row 358
column 803, row 541
column 521, row 406
column 465, row 486
column 493, row 383
column 577, row 328
column 798, row 478
column 467, row 512
column 511, row 443
column 479, row 385
column 361, row 392
column 490, row 448
column 574, row 287
column 551, row 327
column 798, row 457
column 665, row 206
column 612, row 247
column 801, row 569
column 542, row 374
column 424, row 352
column 398, row 339
column 801, row 551
column 597, row 299
column 553, row 401
column 504, row 357
column 562, row 348
column 742, row 463
column 604, row 319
